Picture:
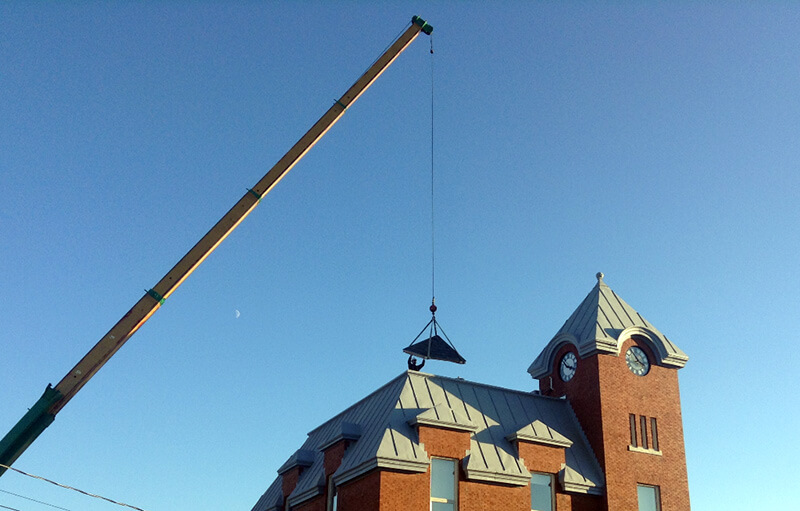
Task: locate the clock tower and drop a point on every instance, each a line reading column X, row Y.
column 620, row 374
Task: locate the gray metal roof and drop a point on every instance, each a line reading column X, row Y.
column 600, row 324
column 383, row 423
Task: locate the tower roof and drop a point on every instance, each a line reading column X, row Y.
column 600, row 324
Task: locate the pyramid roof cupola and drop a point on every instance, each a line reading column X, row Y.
column 600, row 324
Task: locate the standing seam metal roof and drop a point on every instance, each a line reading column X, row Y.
column 601, row 323
column 493, row 416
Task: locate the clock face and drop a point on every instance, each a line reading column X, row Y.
column 569, row 363
column 637, row 361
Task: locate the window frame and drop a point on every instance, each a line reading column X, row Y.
column 643, row 421
column 656, row 495
column 654, row 434
column 439, row 500
column 551, row 486
column 332, row 498
column 634, row 437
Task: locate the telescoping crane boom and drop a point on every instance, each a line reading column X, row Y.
column 53, row 400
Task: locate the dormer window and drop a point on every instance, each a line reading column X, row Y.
column 333, row 497
column 444, row 482
column 541, row 492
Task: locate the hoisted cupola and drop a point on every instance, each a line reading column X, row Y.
column 434, row 347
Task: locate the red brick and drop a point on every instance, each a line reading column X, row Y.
column 603, row 393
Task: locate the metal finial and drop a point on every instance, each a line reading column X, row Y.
column 599, row 277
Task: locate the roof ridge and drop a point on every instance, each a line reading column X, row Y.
column 488, row 386
column 393, row 381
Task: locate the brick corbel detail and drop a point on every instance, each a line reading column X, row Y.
column 541, row 458
column 443, row 442
column 289, row 481
column 334, row 455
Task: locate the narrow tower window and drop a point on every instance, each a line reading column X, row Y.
column 644, row 431
column 633, row 431
column 654, row 433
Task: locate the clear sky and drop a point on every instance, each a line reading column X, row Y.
column 655, row 143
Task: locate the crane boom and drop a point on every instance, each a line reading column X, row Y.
column 55, row 398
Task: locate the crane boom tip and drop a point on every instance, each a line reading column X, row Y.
column 426, row 28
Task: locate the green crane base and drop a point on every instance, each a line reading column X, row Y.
column 28, row 428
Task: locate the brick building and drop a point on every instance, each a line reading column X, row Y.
column 603, row 432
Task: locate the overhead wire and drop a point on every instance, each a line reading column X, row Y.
column 67, row 487
column 34, row 500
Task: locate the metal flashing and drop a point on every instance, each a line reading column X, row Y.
column 300, row 458
column 387, row 463
column 442, row 416
column 540, row 433
column 307, row 493
column 514, row 472
column 346, row 431
column 573, row 482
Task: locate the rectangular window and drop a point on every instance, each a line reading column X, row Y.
column 633, row 431
column 444, row 481
column 649, row 498
column 541, row 492
column 333, row 497
column 654, row 433
column 644, row 431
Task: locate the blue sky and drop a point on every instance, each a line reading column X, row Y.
column 655, row 143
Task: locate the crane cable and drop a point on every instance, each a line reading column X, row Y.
column 433, row 231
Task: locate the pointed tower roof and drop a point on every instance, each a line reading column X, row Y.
column 600, row 324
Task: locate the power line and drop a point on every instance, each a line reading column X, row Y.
column 34, row 500
column 73, row 489
column 11, row 508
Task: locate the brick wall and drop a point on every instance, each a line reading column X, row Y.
column 362, row 494
column 444, row 443
column 389, row 490
column 603, row 393
column 333, row 457
column 315, row 504
column 289, row 481
column 401, row 491
column 541, row 458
